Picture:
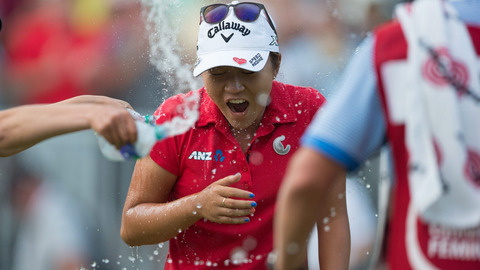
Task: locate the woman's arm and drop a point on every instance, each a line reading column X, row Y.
column 95, row 99
column 148, row 217
column 24, row 126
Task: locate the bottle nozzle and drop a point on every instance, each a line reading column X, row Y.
column 151, row 119
column 160, row 132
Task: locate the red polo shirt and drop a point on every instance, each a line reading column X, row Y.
column 209, row 152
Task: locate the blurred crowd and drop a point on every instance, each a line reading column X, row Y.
column 61, row 201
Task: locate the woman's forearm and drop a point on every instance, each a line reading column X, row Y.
column 24, row 126
column 95, row 99
column 152, row 223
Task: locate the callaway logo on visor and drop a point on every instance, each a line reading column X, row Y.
column 227, row 39
column 228, row 26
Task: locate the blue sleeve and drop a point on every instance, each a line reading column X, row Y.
column 350, row 127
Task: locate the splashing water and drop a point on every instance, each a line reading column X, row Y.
column 182, row 123
column 166, row 55
column 165, row 50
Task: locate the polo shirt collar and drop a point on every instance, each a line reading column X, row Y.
column 279, row 111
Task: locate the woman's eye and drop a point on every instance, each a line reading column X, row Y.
column 217, row 72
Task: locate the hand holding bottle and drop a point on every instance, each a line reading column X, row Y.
column 148, row 133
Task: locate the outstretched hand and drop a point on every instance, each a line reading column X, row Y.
column 221, row 203
column 112, row 121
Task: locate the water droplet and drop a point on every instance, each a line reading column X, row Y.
column 106, row 261
column 293, row 248
column 199, row 205
column 238, row 255
column 263, row 99
column 250, row 243
column 256, row 158
column 326, row 228
column 335, row 13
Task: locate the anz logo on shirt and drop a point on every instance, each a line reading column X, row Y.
column 199, row 155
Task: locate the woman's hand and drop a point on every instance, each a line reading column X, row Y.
column 106, row 116
column 114, row 123
column 221, row 203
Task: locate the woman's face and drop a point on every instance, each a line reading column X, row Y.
column 241, row 95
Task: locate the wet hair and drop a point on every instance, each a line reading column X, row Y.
column 275, row 58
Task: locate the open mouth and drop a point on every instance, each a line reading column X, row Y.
column 238, row 105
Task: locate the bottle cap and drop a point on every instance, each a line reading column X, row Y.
column 128, row 151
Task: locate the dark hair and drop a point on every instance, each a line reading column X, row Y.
column 275, row 58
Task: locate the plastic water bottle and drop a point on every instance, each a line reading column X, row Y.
column 147, row 135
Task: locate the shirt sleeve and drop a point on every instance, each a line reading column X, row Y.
column 350, row 127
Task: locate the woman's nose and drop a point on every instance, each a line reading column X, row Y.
column 234, row 84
